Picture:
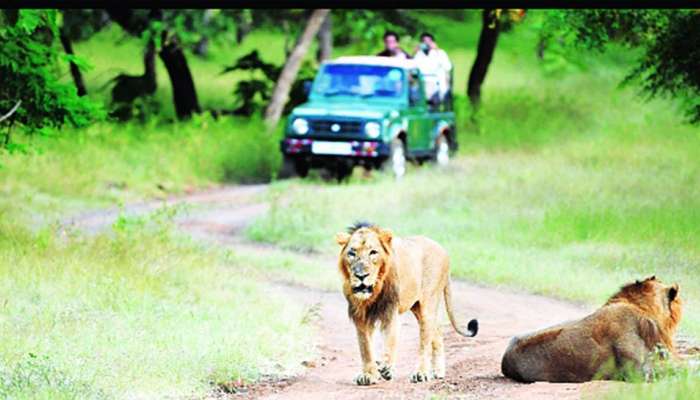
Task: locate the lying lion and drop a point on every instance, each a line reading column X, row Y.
column 616, row 340
column 385, row 276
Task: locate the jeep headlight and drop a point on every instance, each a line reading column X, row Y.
column 372, row 129
column 300, row 126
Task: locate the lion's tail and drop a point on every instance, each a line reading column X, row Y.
column 472, row 326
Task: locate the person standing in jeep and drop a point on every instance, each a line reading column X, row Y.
column 436, row 67
column 391, row 46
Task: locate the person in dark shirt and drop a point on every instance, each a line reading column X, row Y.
column 391, row 46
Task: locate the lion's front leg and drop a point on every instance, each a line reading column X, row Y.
column 370, row 373
column 390, row 332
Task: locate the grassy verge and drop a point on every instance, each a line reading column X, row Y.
column 134, row 312
column 550, row 221
column 679, row 382
column 110, row 163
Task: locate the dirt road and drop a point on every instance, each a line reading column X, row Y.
column 473, row 363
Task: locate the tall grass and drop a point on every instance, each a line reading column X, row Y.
column 131, row 313
column 678, row 383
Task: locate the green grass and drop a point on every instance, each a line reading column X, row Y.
column 678, row 382
column 108, row 163
column 134, row 312
column 279, row 265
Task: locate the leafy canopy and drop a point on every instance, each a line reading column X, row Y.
column 29, row 58
column 670, row 40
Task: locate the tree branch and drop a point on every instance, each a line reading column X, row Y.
column 12, row 111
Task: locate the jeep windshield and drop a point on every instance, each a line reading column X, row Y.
column 365, row 81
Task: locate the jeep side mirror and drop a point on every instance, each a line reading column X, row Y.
column 307, row 87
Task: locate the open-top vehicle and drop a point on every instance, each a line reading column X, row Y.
column 369, row 111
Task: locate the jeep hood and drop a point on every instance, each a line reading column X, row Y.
column 354, row 109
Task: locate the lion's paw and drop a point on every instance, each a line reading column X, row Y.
column 385, row 370
column 365, row 379
column 419, row 377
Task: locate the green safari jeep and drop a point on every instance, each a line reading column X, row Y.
column 369, row 111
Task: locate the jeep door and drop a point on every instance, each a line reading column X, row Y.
column 419, row 135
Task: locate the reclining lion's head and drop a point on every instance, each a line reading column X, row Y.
column 364, row 259
column 656, row 299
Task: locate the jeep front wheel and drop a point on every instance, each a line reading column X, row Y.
column 442, row 151
column 292, row 166
column 396, row 163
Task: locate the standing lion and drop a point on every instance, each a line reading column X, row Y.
column 385, row 276
column 617, row 339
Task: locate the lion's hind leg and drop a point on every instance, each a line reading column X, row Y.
column 438, row 361
column 426, row 323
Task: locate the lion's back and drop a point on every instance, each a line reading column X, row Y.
column 574, row 351
column 427, row 248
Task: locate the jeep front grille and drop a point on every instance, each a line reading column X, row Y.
column 324, row 126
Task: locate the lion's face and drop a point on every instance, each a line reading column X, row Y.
column 363, row 258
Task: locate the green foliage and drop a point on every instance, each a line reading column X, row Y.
column 81, row 24
column 671, row 65
column 253, row 94
column 670, row 40
column 366, row 27
column 28, row 59
column 191, row 25
column 593, row 29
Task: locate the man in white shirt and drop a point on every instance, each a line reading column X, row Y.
column 435, row 66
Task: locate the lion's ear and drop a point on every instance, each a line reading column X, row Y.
column 673, row 292
column 386, row 235
column 342, row 238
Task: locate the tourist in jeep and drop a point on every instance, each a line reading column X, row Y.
column 435, row 66
column 391, row 46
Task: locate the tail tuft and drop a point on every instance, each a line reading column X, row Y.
column 473, row 327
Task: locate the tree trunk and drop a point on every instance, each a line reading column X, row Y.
column 487, row 44
column 287, row 37
column 74, row 71
column 244, row 24
column 541, row 46
column 149, row 68
column 202, row 47
column 184, row 92
column 280, row 94
column 325, row 39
